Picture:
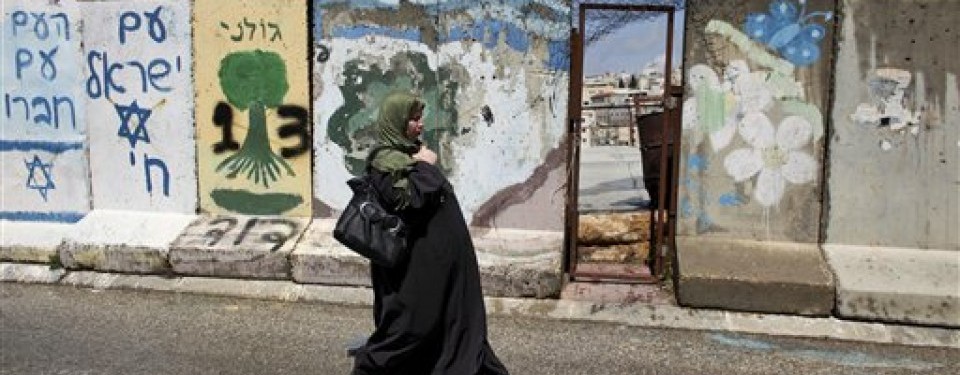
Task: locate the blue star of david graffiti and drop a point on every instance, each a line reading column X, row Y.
column 126, row 113
column 32, row 181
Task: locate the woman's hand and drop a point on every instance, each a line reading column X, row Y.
column 425, row 155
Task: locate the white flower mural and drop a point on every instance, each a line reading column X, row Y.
column 775, row 156
column 717, row 106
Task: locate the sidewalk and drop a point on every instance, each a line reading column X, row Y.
column 630, row 314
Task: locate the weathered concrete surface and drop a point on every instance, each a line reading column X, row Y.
column 31, row 242
column 237, row 246
column 519, row 263
column 515, row 263
column 895, row 284
column 894, row 154
column 320, row 259
column 30, row 273
column 776, row 277
column 123, row 241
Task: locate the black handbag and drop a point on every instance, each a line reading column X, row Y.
column 370, row 230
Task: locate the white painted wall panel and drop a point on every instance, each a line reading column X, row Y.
column 42, row 137
column 137, row 66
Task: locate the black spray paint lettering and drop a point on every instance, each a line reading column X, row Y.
column 223, row 118
column 253, row 27
column 323, row 53
column 277, row 238
column 40, row 29
column 298, row 128
column 487, row 115
column 131, row 22
column 217, row 234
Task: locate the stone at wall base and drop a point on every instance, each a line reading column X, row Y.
column 320, row 259
column 237, row 246
column 513, row 263
column 123, row 241
column 761, row 276
column 918, row 286
column 31, row 242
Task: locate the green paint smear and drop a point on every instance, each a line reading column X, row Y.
column 245, row 202
column 365, row 85
column 711, row 108
column 256, row 80
column 809, row 112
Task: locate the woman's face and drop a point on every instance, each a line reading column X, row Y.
column 415, row 126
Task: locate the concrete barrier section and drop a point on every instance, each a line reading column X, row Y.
column 123, row 241
column 895, row 284
column 237, row 246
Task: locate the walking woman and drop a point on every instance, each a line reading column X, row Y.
column 428, row 313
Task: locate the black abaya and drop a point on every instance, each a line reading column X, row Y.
column 429, row 313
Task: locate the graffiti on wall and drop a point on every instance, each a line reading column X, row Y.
column 242, row 233
column 138, row 82
column 492, row 80
column 789, row 30
column 43, row 143
column 753, row 114
column 253, row 126
column 888, row 112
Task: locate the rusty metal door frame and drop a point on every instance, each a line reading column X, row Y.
column 664, row 229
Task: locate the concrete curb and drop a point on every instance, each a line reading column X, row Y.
column 639, row 315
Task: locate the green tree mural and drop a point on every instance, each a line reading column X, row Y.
column 253, row 81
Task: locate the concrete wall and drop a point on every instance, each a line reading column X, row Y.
column 139, row 86
column 753, row 133
column 252, row 78
column 43, row 143
column 241, row 109
column 893, row 183
column 495, row 80
column 895, row 147
column 751, row 155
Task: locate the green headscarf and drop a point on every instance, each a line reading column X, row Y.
column 391, row 126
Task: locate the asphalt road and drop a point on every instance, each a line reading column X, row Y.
column 68, row 331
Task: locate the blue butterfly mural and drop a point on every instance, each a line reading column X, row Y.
column 789, row 31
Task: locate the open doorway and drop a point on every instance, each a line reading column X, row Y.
column 626, row 84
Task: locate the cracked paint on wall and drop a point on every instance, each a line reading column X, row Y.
column 888, row 113
column 494, row 85
column 893, row 147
